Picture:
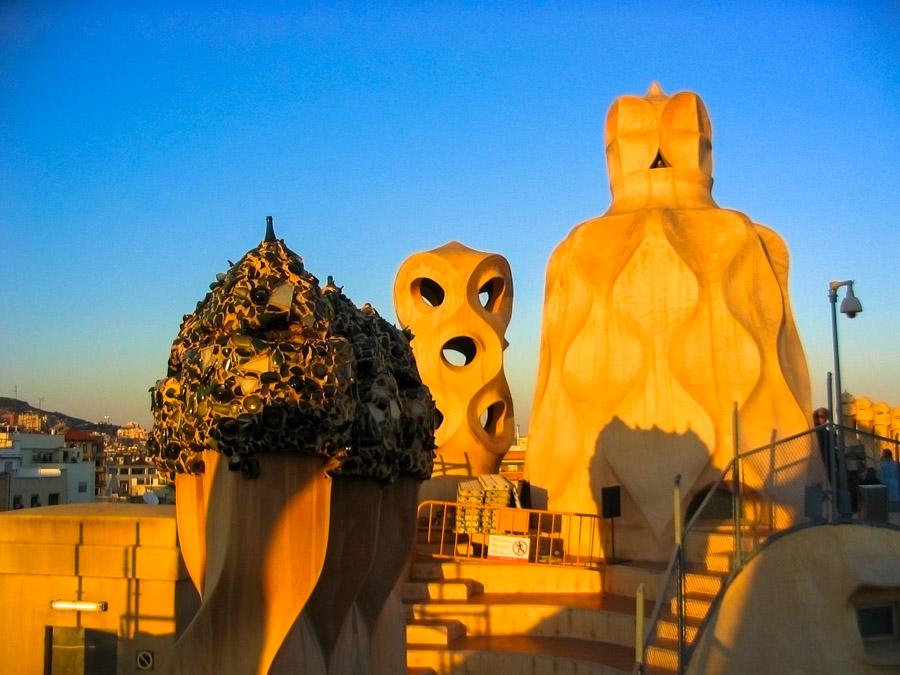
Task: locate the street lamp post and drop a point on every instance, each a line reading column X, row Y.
column 850, row 306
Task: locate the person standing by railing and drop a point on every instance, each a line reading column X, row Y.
column 890, row 476
column 825, row 439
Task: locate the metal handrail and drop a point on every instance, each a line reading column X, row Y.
column 568, row 537
column 650, row 624
column 671, row 567
column 876, row 438
column 639, row 625
column 781, row 441
column 708, row 496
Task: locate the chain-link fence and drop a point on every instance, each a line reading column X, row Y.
column 691, row 581
column 762, row 491
column 868, row 448
column 785, row 482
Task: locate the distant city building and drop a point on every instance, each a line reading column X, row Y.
column 39, row 470
column 131, row 475
column 877, row 426
column 512, row 466
column 131, row 432
column 24, row 421
column 128, row 475
column 863, row 413
column 91, row 445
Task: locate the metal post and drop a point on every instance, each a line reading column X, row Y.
column 639, row 627
column 832, row 451
column 839, row 411
column 736, row 504
column 838, row 419
column 612, row 539
column 679, row 577
column 677, row 509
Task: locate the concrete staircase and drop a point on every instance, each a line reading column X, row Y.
column 701, row 588
column 709, row 554
column 492, row 617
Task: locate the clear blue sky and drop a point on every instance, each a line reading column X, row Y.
column 140, row 148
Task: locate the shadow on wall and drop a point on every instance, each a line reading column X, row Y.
column 780, row 472
column 228, row 556
column 720, row 507
column 264, row 541
column 645, row 462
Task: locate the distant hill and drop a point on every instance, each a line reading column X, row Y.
column 55, row 417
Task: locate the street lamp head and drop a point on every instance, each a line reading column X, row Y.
column 851, row 306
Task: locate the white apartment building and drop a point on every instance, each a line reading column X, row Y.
column 130, row 475
column 38, row 470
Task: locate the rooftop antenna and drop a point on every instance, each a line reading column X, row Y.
column 270, row 229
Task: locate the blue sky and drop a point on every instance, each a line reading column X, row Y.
column 142, row 147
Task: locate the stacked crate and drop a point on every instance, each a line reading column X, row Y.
column 468, row 520
column 497, row 491
column 489, row 490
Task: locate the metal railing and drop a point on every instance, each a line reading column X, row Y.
column 747, row 517
column 809, row 476
column 867, row 447
column 862, row 452
column 462, row 531
column 672, row 588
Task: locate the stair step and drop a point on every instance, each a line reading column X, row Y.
column 707, row 582
column 662, row 655
column 525, row 654
column 696, row 605
column 568, row 627
column 587, row 616
column 667, row 628
column 424, row 568
column 444, row 589
column 434, row 632
column 718, row 562
column 501, row 577
column 698, row 544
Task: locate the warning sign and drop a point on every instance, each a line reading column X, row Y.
column 144, row 658
column 508, row 547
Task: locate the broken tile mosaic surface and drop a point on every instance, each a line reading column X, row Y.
column 271, row 362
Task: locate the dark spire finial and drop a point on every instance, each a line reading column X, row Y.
column 270, row 229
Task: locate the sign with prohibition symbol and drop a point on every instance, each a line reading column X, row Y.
column 144, row 659
column 507, row 547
